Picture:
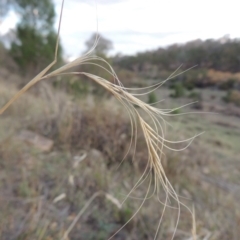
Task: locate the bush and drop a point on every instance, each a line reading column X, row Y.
column 228, row 85
column 73, row 85
column 189, row 85
column 233, row 96
column 195, row 95
column 73, row 127
column 179, row 91
column 176, row 111
column 152, row 98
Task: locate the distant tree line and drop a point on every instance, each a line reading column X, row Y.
column 222, row 56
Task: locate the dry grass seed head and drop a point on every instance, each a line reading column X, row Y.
column 154, row 135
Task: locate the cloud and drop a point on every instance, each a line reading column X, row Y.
column 8, row 23
column 107, row 2
column 138, row 25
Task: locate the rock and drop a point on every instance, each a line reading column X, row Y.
column 41, row 143
column 95, row 157
column 95, row 154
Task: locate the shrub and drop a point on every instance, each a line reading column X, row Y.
column 195, row 95
column 152, row 98
column 228, row 85
column 189, row 85
column 179, row 91
column 72, row 85
column 176, row 111
column 233, row 96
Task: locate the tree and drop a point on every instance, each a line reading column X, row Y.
column 101, row 50
column 35, row 41
column 103, row 46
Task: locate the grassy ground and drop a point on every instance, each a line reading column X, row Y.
column 206, row 174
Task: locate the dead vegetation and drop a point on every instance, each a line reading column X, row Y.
column 43, row 192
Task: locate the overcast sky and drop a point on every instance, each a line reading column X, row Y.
column 138, row 25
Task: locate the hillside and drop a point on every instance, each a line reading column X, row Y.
column 43, row 189
column 216, row 63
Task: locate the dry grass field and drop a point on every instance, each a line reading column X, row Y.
column 73, row 173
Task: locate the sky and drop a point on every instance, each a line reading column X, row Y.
column 139, row 25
